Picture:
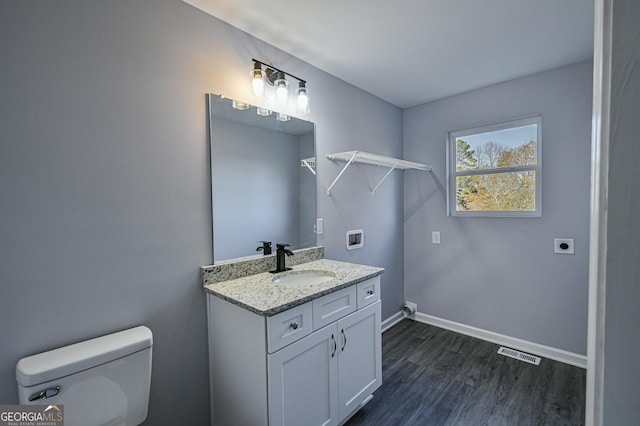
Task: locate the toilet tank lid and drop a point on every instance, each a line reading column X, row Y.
column 57, row 363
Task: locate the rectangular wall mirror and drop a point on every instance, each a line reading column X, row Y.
column 263, row 184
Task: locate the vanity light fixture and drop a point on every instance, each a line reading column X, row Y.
column 264, row 75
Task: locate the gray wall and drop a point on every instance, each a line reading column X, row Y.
column 500, row 274
column 622, row 313
column 104, row 218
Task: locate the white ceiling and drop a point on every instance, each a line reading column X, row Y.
column 408, row 52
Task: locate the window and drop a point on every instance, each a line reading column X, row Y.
column 495, row 170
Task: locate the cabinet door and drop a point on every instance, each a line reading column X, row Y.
column 303, row 381
column 360, row 357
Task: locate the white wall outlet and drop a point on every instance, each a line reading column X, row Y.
column 319, row 226
column 563, row 246
column 435, row 237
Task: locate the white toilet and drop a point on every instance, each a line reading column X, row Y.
column 99, row 382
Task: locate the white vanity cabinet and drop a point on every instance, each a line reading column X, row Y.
column 324, row 377
column 313, row 364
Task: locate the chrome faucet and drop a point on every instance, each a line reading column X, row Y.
column 281, row 251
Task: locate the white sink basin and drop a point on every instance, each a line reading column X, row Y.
column 298, row 278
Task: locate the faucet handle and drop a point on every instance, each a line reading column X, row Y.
column 282, row 247
column 266, row 247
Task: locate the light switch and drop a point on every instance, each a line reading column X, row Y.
column 435, row 237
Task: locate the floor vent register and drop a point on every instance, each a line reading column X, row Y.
column 519, row 355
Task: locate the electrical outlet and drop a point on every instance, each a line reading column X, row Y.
column 563, row 246
column 319, row 226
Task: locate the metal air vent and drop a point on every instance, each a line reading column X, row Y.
column 512, row 353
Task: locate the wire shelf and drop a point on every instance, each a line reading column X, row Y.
column 376, row 160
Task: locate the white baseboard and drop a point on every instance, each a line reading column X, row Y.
column 560, row 355
column 392, row 320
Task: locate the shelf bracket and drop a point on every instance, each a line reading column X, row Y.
column 353, row 157
column 373, row 191
column 306, row 164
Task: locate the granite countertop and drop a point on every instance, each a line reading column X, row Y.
column 260, row 295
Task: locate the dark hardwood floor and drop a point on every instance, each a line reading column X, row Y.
column 433, row 376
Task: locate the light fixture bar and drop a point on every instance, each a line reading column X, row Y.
column 277, row 69
column 263, row 74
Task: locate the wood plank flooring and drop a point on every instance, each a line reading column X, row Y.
column 433, row 376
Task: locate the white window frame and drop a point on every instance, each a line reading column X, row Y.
column 452, row 173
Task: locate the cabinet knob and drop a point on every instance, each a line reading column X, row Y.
column 294, row 325
column 370, row 292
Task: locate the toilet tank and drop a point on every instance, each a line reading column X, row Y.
column 102, row 381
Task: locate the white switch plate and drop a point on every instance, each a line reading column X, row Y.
column 563, row 246
column 435, row 237
column 319, row 226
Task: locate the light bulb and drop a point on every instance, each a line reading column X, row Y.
column 282, row 91
column 282, row 94
column 258, row 88
column 302, row 99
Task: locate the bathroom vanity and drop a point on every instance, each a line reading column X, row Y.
column 299, row 347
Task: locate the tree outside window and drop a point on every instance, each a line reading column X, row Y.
column 495, row 170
